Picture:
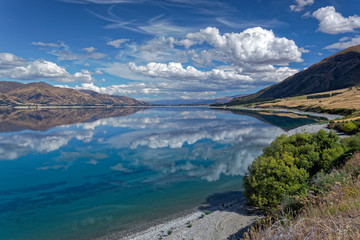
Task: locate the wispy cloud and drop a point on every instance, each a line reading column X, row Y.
column 63, row 51
column 155, row 26
column 117, row 43
column 55, row 45
column 101, row 1
column 164, row 27
column 344, row 43
column 161, row 3
column 300, row 5
column 265, row 23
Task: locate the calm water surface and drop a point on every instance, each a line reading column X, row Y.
column 75, row 174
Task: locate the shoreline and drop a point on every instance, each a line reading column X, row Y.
column 228, row 217
column 326, row 115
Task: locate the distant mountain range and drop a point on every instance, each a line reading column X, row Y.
column 341, row 70
column 40, row 93
column 195, row 101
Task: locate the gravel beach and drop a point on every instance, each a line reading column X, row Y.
column 226, row 216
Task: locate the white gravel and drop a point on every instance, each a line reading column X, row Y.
column 223, row 223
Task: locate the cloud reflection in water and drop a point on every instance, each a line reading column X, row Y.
column 193, row 143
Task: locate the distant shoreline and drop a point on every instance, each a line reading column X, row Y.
column 326, row 115
column 90, row 106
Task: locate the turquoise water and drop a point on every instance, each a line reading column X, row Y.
column 85, row 180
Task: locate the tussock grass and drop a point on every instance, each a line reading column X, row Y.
column 332, row 213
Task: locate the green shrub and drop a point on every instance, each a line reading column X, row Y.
column 349, row 127
column 286, row 166
column 270, row 179
column 319, row 96
column 351, row 144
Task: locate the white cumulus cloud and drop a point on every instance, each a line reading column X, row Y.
column 122, row 89
column 203, row 61
column 9, row 60
column 249, row 57
column 332, row 22
column 15, row 67
column 253, row 45
column 176, row 70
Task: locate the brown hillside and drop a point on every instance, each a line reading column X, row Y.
column 40, row 93
column 341, row 70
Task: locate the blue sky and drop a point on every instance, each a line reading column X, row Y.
column 170, row 49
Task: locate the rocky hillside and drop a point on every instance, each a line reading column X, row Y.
column 341, row 70
column 40, row 93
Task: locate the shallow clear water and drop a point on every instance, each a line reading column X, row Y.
column 84, row 180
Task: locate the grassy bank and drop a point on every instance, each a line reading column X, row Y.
column 309, row 187
column 345, row 102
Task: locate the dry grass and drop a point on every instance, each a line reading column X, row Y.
column 283, row 114
column 332, row 215
column 347, row 119
column 348, row 99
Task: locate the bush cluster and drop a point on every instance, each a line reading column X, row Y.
column 286, row 166
column 326, row 95
column 319, row 96
column 349, row 127
column 331, row 212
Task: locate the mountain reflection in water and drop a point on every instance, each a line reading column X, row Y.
column 12, row 120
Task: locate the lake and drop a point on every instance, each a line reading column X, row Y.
column 85, row 173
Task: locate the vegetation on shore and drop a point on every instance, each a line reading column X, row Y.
column 309, row 187
column 348, row 127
